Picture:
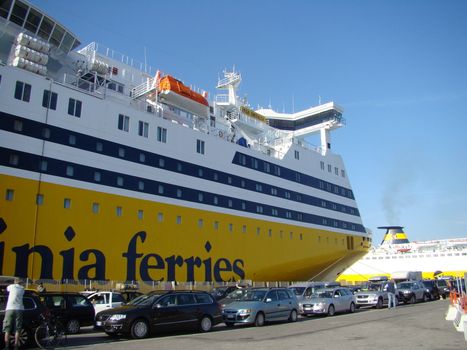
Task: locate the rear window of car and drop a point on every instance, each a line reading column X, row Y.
column 117, row 298
column 78, row 301
column 185, row 299
column 203, row 298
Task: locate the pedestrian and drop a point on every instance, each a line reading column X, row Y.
column 391, row 290
column 13, row 321
column 40, row 288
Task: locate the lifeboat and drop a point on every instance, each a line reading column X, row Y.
column 174, row 92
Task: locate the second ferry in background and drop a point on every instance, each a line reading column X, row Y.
column 396, row 254
column 110, row 170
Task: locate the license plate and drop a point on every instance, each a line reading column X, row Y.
column 230, row 317
column 98, row 323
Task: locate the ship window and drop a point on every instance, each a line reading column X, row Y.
column 300, row 216
column 274, row 212
column 99, row 147
column 5, row 8
column 258, row 231
column 72, row 140
column 243, row 206
column 215, row 200
column 259, row 209
column 67, row 203
column 141, row 185
column 242, row 183
column 259, row 187
column 57, row 35
column 18, row 125
column 121, row 152
column 230, row 203
column 69, row 170
column 215, row 224
column 329, row 168
column 179, row 166
column 179, row 193
column 229, row 180
column 160, row 217
column 74, row 107
column 244, row 228
column 40, row 199
column 178, row 220
column 288, row 215
column 46, row 28
column 281, row 234
column 124, row 122
column 143, row 129
column 298, row 197
column 160, row 189
column 274, row 191
column 22, row 91
column 342, row 172
column 215, row 177
column 95, row 208
column 19, row 13
column 291, row 235
column 267, row 167
column 301, row 237
column 161, row 162
column 336, row 170
column 200, row 223
column 230, row 227
column 142, row 157
column 119, row 211
column 200, row 172
column 161, row 134
column 269, row 232
column 49, row 99
column 200, row 197
column 200, row 146
column 140, row 214
column 287, row 195
column 97, row 176
column 119, row 181
column 297, row 154
column 10, row 194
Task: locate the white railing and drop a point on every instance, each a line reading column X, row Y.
column 142, row 88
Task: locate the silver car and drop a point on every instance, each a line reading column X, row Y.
column 328, row 302
column 260, row 305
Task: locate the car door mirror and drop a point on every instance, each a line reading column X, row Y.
column 268, row 300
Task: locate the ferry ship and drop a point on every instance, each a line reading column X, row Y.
column 110, row 170
column 396, row 255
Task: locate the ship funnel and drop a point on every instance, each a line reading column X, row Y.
column 394, row 235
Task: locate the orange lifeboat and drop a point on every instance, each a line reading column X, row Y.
column 171, row 84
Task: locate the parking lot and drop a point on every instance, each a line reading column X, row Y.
column 418, row 326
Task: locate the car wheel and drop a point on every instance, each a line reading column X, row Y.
column 413, row 300
column 139, row 329
column 205, row 324
column 331, row 310
column 72, row 326
column 379, row 304
column 259, row 320
column 229, row 324
column 426, row 298
column 352, row 308
column 293, row 316
column 23, row 340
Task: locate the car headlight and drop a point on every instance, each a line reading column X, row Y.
column 244, row 311
column 117, row 317
column 320, row 305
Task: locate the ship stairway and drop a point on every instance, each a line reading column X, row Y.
column 232, row 114
column 144, row 89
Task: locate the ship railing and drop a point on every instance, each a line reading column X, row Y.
column 84, row 85
column 93, row 47
column 222, row 98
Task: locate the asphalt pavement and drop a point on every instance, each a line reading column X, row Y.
column 419, row 326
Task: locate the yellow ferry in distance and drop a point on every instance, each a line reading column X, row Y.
column 396, row 254
column 110, row 170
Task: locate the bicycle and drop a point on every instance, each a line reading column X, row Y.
column 50, row 333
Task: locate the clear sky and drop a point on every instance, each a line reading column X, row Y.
column 397, row 67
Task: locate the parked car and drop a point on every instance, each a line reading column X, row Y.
column 235, row 295
column 432, row 289
column 72, row 309
column 373, row 295
column 410, row 292
column 260, row 305
column 33, row 308
column 221, row 292
column 106, row 300
column 305, row 289
column 328, row 301
column 161, row 310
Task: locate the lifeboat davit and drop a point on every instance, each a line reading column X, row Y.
column 174, row 92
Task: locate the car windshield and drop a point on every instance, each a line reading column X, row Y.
column 145, row 299
column 298, row 290
column 405, row 285
column 236, row 294
column 253, row 295
column 375, row 287
column 322, row 294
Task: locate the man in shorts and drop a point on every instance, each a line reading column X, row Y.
column 13, row 321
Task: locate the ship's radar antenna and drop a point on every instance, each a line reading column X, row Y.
column 231, row 81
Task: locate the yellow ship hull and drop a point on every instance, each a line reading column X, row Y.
column 57, row 232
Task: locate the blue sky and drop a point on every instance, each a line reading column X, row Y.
column 398, row 68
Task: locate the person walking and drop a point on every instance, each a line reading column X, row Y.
column 13, row 321
column 391, row 290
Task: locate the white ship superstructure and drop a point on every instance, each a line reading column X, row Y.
column 397, row 254
column 96, row 147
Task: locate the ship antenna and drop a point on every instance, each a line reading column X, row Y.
column 145, row 64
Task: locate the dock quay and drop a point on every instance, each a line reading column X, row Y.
column 417, row 326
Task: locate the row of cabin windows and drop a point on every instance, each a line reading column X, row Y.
column 336, row 169
column 120, row 182
column 96, row 209
column 49, row 99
